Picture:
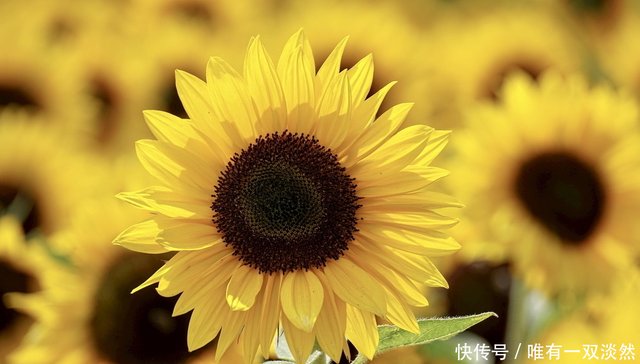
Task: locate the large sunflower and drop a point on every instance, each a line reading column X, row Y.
column 290, row 204
column 551, row 172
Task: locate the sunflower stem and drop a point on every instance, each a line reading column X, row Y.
column 20, row 207
column 360, row 359
column 516, row 330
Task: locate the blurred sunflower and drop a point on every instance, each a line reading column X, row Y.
column 551, row 171
column 596, row 19
column 280, row 186
column 19, row 267
column 477, row 50
column 223, row 16
column 41, row 81
column 604, row 321
column 111, row 74
column 55, row 25
column 33, row 185
column 85, row 312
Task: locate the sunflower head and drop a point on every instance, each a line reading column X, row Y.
column 552, row 166
column 291, row 205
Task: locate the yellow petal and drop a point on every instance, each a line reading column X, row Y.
column 364, row 114
column 159, row 199
column 409, row 180
column 243, row 287
column 195, row 98
column 355, row 286
column 394, row 155
column 270, row 313
column 301, row 296
column 206, row 321
column 233, row 323
column 155, row 277
column 188, row 236
column 400, row 314
column 334, row 113
column 141, row 238
column 330, row 68
column 362, row 331
column 295, row 44
column 265, row 88
column 296, row 70
column 300, row 342
column 416, row 202
column 230, row 98
column 177, row 167
column 217, row 278
column 437, row 141
column 169, row 128
column 188, row 265
column 401, row 285
column 331, row 324
column 419, row 270
column 251, row 332
column 380, row 131
column 360, row 78
column 415, row 221
column 428, row 243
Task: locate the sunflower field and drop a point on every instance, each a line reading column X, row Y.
column 279, row 181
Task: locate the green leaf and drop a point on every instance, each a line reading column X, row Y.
column 392, row 337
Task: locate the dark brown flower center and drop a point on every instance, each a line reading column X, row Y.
column 108, row 102
column 605, row 14
column 563, row 193
column 136, row 328
column 193, row 11
column 285, row 203
column 478, row 287
column 13, row 94
column 12, row 280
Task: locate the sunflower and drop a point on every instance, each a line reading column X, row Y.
column 110, row 72
column 55, row 25
column 505, row 39
column 290, row 204
column 551, row 173
column 37, row 79
column 92, row 317
column 604, row 321
column 596, row 19
column 223, row 16
column 19, row 265
column 32, row 185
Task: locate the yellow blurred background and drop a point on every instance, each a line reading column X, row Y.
column 76, row 75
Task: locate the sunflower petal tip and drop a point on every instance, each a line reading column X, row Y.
column 236, row 304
